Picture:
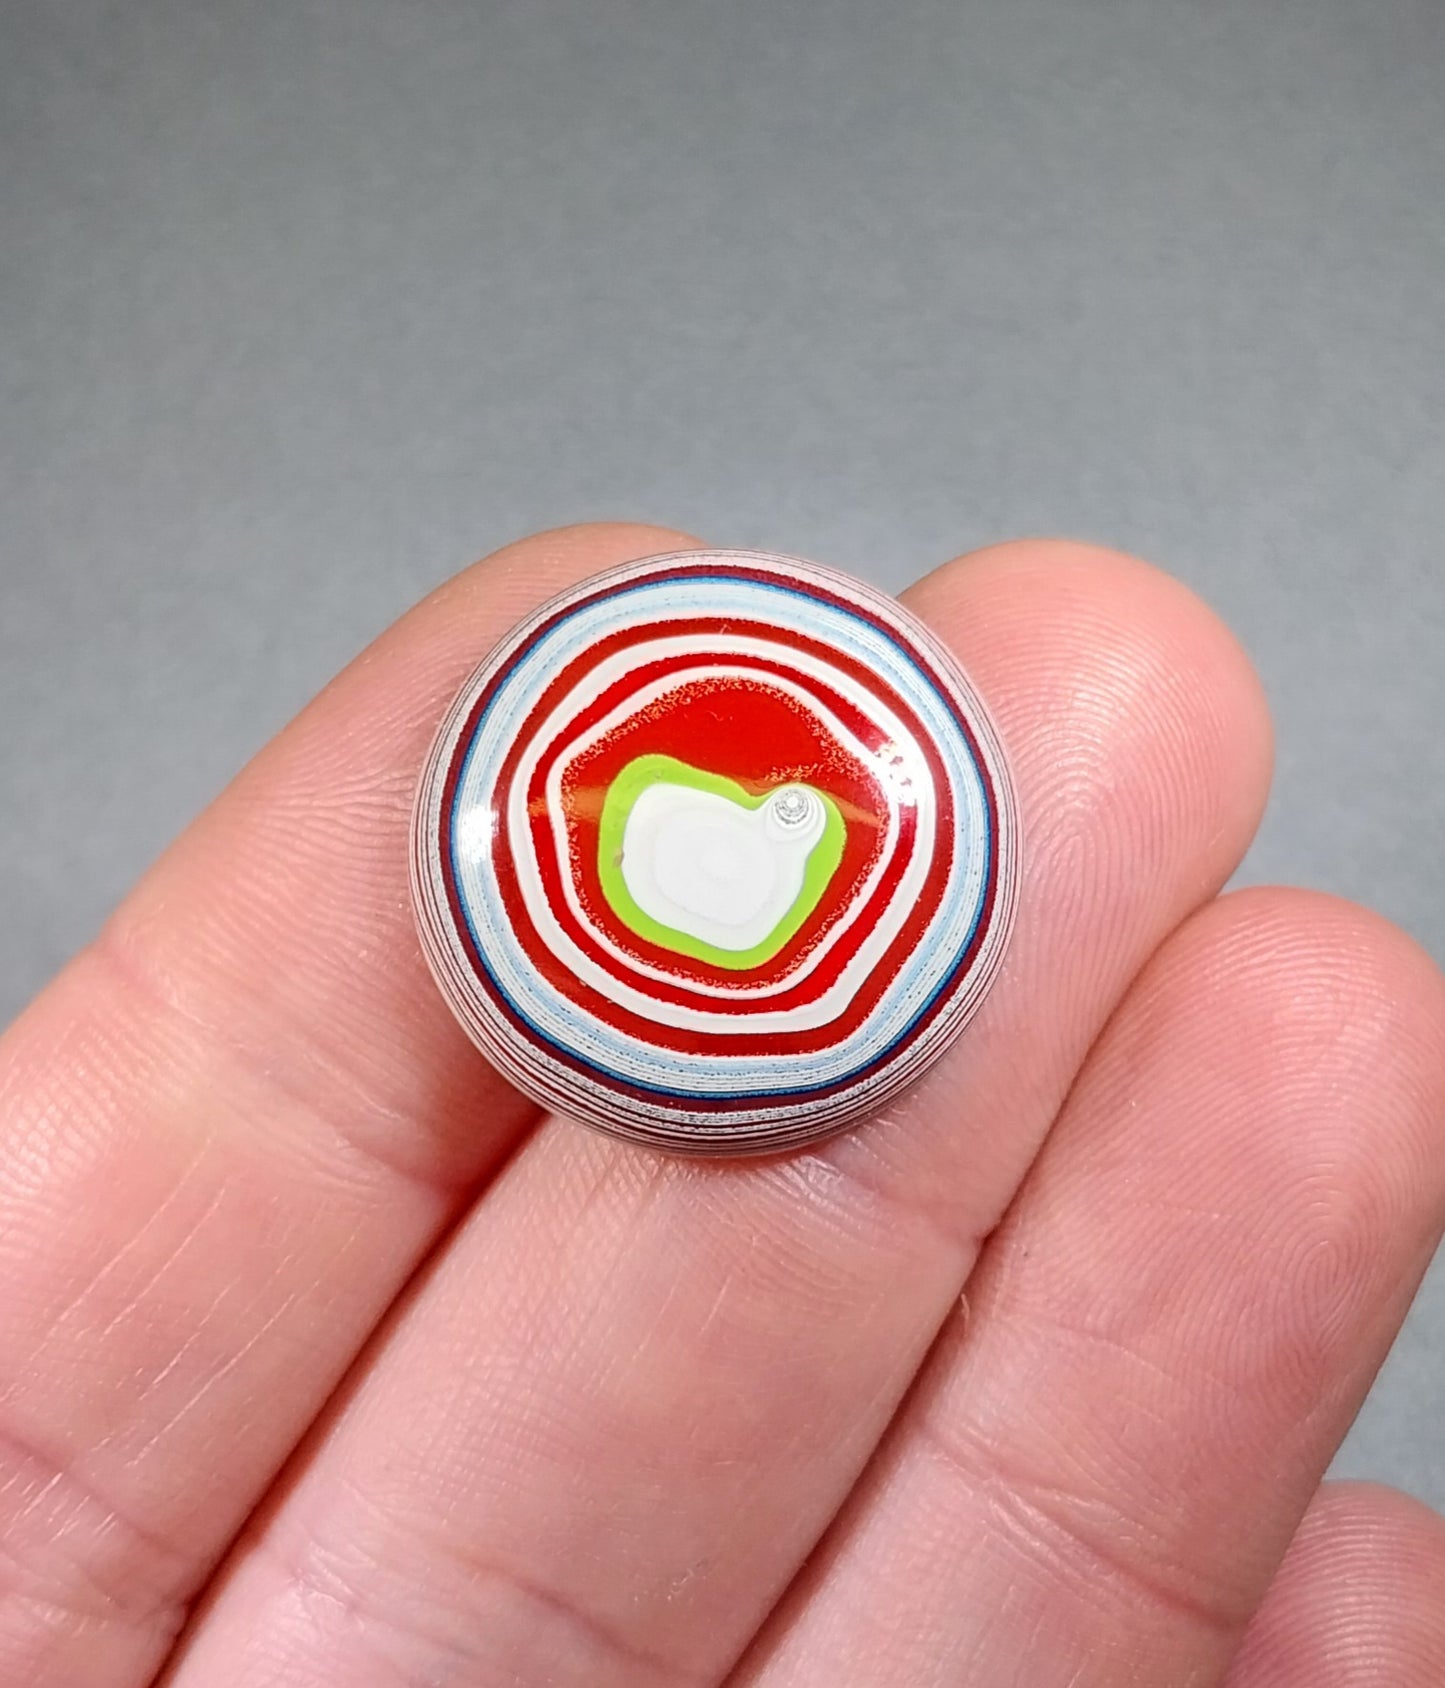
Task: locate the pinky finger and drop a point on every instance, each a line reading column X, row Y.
column 1359, row 1601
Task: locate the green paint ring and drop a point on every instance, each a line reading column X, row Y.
column 645, row 771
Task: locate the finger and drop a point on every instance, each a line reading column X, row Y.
column 229, row 1130
column 1359, row 1601
column 1101, row 1469
column 633, row 1391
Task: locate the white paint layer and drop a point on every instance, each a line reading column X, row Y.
column 698, row 863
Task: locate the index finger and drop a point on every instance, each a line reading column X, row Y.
column 228, row 1131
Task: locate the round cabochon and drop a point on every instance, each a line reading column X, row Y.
column 716, row 851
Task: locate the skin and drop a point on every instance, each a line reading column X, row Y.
column 324, row 1360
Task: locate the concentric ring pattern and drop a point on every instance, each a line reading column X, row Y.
column 716, row 851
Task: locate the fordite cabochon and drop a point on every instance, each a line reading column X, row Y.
column 716, row 851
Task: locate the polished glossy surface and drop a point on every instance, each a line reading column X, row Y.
column 716, row 851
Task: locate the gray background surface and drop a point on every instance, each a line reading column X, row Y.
column 304, row 304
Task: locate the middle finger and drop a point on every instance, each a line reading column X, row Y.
column 633, row 1391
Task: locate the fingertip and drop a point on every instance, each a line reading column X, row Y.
column 1359, row 1600
column 456, row 624
column 1150, row 618
column 1361, row 991
column 581, row 548
column 1353, row 1510
column 1111, row 683
column 1306, row 1035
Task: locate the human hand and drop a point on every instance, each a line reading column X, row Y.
column 323, row 1362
